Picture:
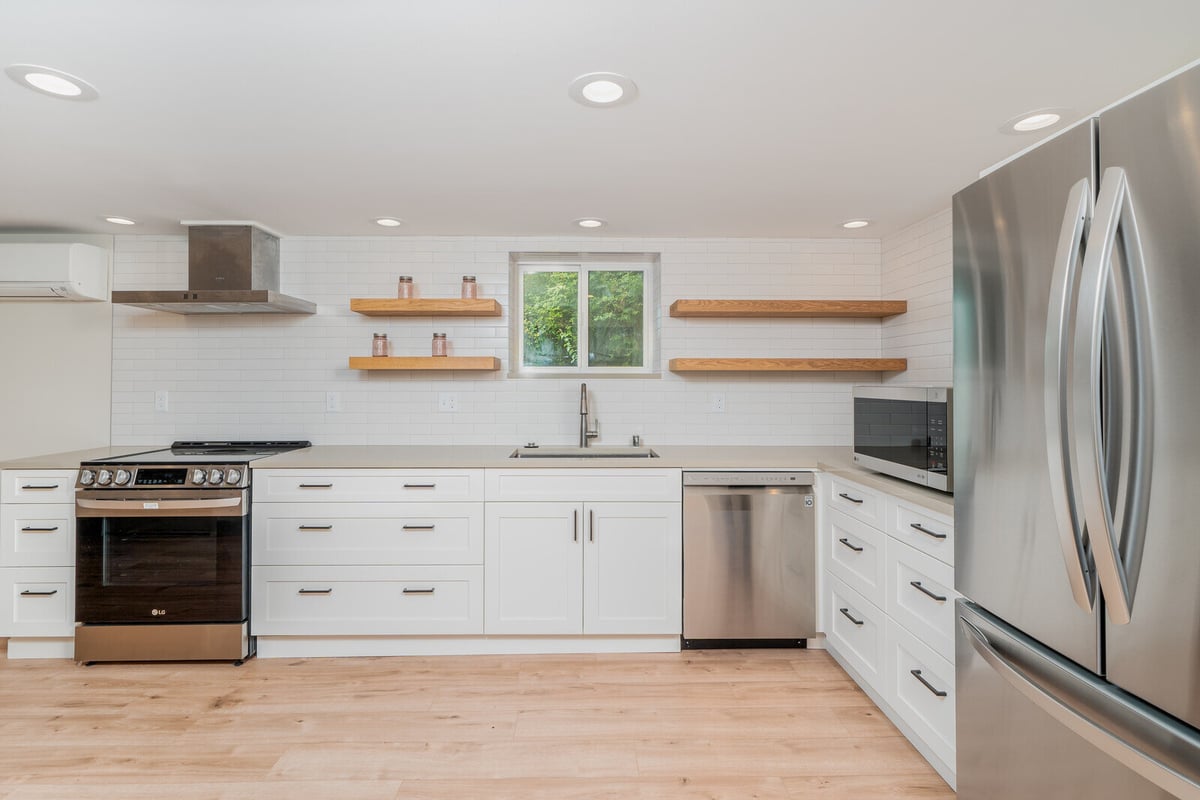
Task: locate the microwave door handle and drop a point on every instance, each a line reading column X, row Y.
column 1055, row 386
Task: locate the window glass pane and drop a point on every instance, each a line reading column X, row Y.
column 551, row 301
column 615, row 314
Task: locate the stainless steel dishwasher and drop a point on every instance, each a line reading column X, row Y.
column 749, row 559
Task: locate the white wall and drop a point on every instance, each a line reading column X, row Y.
column 918, row 267
column 55, row 370
column 267, row 376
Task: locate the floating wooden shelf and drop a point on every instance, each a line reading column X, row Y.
column 425, row 307
column 788, row 364
column 788, row 308
column 478, row 363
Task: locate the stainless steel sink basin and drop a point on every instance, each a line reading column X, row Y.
column 583, row 452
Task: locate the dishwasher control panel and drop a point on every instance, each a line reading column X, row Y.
column 747, row 479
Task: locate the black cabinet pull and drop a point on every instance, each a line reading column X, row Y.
column 316, row 527
column 919, row 527
column 855, row 500
column 847, row 615
column 28, row 529
column 852, row 547
column 32, row 486
column 315, row 591
column 31, row 593
column 575, row 524
column 420, row 486
column 917, row 585
column 418, row 527
column 316, row 486
column 430, row 590
column 916, row 673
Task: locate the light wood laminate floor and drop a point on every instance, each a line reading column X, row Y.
column 767, row 724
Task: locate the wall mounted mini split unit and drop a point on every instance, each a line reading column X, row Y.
column 53, row 271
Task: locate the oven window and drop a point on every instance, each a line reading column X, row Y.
column 893, row 430
column 152, row 552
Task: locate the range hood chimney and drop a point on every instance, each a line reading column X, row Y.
column 233, row 268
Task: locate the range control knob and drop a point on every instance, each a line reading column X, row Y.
column 216, row 476
column 233, row 476
column 122, row 477
column 199, row 476
column 104, row 478
column 87, row 477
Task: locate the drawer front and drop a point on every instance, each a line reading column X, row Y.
column 38, row 486
column 37, row 601
column 368, row 533
column 929, row 709
column 366, row 601
column 856, row 631
column 585, row 485
column 367, row 485
column 856, row 555
column 920, row 528
column 920, row 596
column 37, row 535
column 865, row 505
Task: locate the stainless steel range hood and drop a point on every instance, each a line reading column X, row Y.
column 233, row 268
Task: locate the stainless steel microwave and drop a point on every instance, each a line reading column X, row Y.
column 905, row 431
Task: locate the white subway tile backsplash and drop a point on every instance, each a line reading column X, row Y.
column 917, row 266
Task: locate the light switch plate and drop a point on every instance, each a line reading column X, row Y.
column 333, row 402
column 160, row 400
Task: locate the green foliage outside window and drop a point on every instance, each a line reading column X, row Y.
column 615, row 312
column 551, row 315
column 615, row 317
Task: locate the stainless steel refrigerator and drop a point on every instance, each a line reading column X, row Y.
column 1077, row 449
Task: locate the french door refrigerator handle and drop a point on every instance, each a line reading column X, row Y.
column 1070, row 525
column 1174, row 767
column 1113, row 210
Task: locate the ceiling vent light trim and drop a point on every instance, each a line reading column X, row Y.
column 602, row 90
column 120, row 220
column 389, row 222
column 591, row 223
column 51, row 82
column 1032, row 121
column 852, row 224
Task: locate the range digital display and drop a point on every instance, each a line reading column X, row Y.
column 161, row 477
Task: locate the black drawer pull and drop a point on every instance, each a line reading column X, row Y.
column 846, row 614
column 32, row 486
column 28, row 529
column 852, row 547
column 316, row 486
column 916, row 673
column 917, row 585
column 420, row 486
column 315, row 591
column 919, row 527
column 418, row 527
column 430, row 590
column 316, row 527
column 855, row 500
column 30, row 593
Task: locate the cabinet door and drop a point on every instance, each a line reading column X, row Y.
column 633, row 566
column 533, row 568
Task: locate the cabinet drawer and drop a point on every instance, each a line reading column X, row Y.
column 856, row 631
column 921, row 689
column 37, row 535
column 367, row 485
column 856, row 555
column 38, row 486
column 366, row 601
column 920, row 596
column 585, row 485
column 37, row 601
column 368, row 533
column 858, row 501
column 923, row 529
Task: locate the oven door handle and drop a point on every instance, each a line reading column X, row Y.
column 223, row 506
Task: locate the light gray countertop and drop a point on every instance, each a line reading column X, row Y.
column 71, row 458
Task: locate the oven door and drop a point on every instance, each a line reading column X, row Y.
column 169, row 557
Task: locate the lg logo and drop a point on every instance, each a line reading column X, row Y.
column 158, row 612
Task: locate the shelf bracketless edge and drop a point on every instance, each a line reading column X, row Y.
column 440, row 363
column 788, row 308
column 788, row 364
column 425, row 307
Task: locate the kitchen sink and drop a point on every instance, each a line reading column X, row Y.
column 583, row 452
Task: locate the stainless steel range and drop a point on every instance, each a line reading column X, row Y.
column 163, row 553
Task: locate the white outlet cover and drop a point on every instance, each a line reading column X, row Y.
column 333, row 402
column 716, row 403
column 447, row 401
column 160, row 400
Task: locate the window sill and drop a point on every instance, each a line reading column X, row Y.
column 574, row 375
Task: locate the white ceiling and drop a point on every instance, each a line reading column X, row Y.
column 754, row 118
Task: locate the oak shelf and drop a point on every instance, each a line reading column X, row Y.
column 788, row 364
column 439, row 363
column 425, row 307
column 725, row 309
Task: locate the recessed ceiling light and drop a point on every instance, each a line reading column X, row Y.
column 389, row 222
column 602, row 89
column 53, row 82
column 1033, row 120
column 856, row 223
column 120, row 221
column 591, row 222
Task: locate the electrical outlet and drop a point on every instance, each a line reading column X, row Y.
column 333, row 402
column 160, row 400
column 716, row 403
column 447, row 401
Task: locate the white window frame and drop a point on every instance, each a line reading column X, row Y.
column 522, row 264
